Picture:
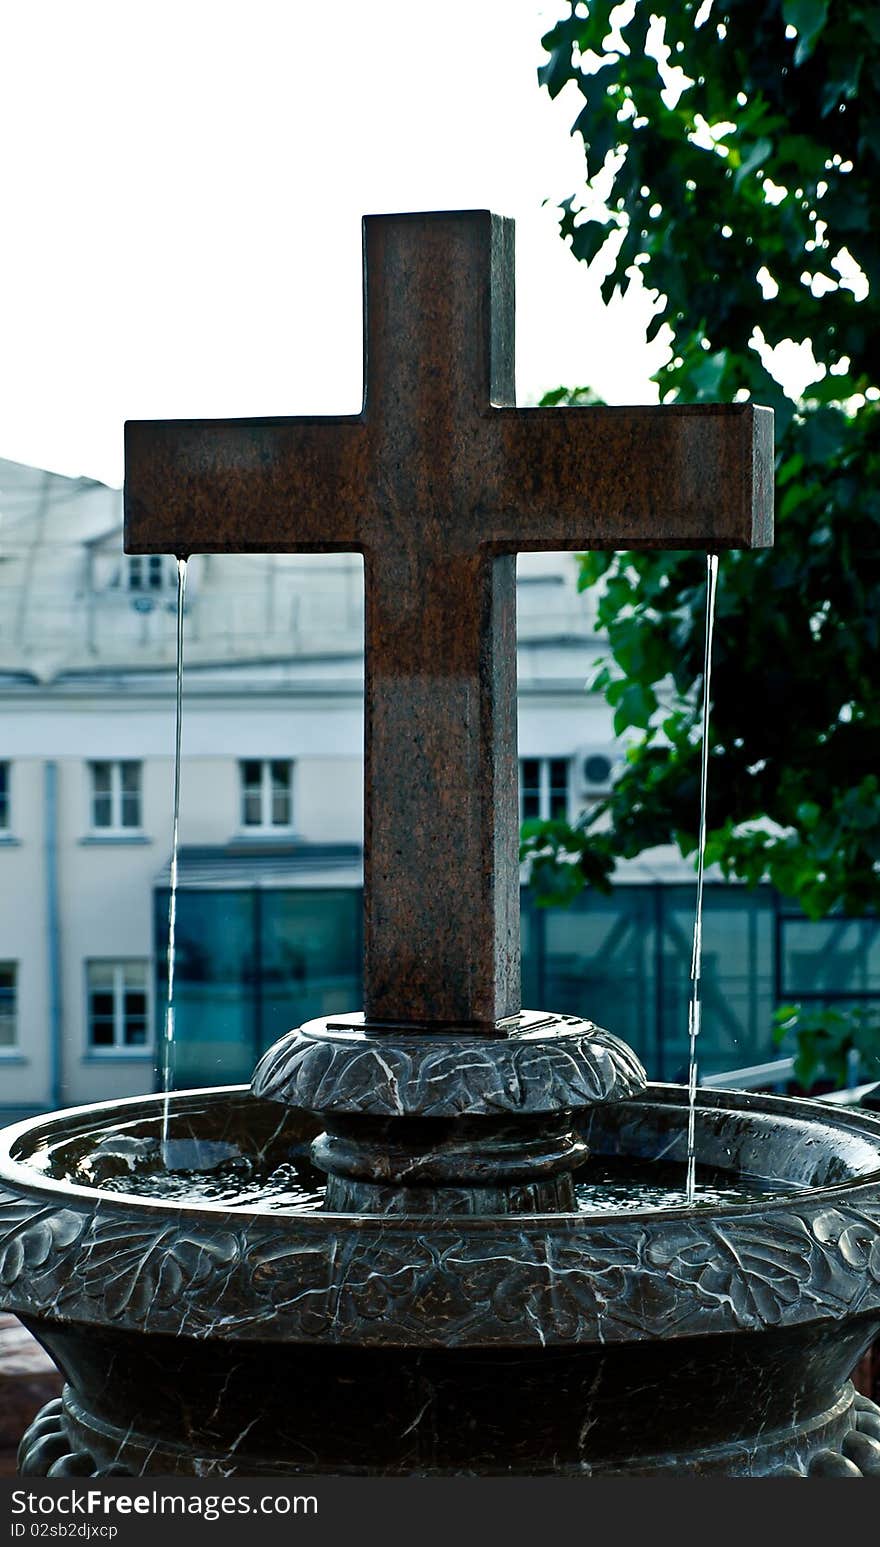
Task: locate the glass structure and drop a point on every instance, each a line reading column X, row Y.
column 251, row 963
column 255, row 961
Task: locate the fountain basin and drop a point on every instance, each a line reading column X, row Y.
column 214, row 1337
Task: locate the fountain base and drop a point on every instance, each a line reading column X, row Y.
column 69, row 1439
column 218, row 1338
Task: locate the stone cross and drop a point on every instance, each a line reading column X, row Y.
column 439, row 482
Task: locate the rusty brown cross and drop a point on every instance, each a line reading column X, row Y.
column 439, row 482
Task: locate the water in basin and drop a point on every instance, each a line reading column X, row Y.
column 217, row 1172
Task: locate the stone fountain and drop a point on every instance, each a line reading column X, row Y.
column 443, row 1282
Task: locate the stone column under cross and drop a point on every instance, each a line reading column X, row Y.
column 439, row 482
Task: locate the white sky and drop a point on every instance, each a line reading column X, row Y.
column 183, row 183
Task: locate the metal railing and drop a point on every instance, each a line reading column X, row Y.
column 774, row 1075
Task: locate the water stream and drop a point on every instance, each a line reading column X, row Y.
column 694, row 1005
column 168, row 1036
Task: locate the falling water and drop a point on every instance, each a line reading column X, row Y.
column 694, row 1006
column 168, row 1037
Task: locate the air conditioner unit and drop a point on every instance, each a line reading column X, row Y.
column 595, row 768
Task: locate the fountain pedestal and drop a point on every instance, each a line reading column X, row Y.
column 449, row 1123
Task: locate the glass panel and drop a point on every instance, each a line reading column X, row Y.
column 130, row 813
column 130, row 804
column 559, row 786
column 280, row 778
column 531, row 923
column 253, row 810
column 251, row 965
column 100, row 977
column 4, row 794
column 530, row 787
column 828, row 956
column 310, row 949
column 8, row 1016
column 102, row 1003
column 102, row 797
column 216, row 985
column 737, row 983
column 599, row 964
column 102, row 812
column 280, row 808
column 252, row 794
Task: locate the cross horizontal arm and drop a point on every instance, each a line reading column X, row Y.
column 666, row 477
column 246, row 485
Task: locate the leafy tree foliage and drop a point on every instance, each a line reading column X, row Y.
column 825, row 1040
column 732, row 160
column 744, row 192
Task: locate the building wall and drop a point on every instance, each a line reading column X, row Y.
column 25, row 1072
column 329, row 799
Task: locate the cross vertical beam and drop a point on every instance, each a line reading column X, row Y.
column 441, row 833
column 441, row 880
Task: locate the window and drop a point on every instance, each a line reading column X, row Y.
column 4, row 797
column 543, row 787
column 116, row 796
column 8, row 1004
column 117, row 1005
column 148, row 572
column 266, row 794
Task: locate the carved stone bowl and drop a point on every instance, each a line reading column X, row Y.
column 206, row 1338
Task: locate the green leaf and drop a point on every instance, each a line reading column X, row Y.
column 708, row 375
column 808, row 813
column 755, row 158
column 636, row 703
column 808, row 17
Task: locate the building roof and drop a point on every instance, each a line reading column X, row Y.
column 72, row 605
column 260, row 862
